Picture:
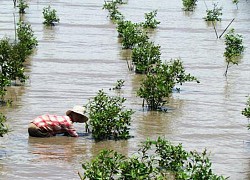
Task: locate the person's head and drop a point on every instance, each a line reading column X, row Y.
column 77, row 114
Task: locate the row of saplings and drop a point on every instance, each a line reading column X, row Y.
column 15, row 51
column 155, row 159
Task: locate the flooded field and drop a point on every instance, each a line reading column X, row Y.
column 82, row 55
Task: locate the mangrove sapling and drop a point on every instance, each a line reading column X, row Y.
column 119, row 84
column 4, row 82
column 131, row 34
column 189, row 5
column 160, row 81
column 3, row 127
column 246, row 111
column 112, row 7
column 234, row 48
column 214, row 14
column 108, row 117
column 50, row 16
column 22, row 5
column 236, row 3
column 144, row 55
column 150, row 21
column 155, row 159
column 26, row 39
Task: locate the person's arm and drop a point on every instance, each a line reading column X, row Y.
column 72, row 131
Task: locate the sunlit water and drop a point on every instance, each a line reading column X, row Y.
column 82, row 55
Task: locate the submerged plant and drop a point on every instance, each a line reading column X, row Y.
column 214, row 14
column 189, row 5
column 22, row 5
column 246, row 111
column 119, row 84
column 50, row 16
column 108, row 118
column 145, row 55
column 155, row 159
column 150, row 21
column 26, row 39
column 131, row 34
column 112, row 7
column 158, row 84
column 3, row 127
column 234, row 48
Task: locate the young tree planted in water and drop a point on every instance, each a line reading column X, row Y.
column 145, row 55
column 119, row 84
column 150, row 21
column 26, row 39
column 50, row 16
column 131, row 34
column 5, row 69
column 246, row 111
column 155, row 159
column 234, row 48
column 189, row 5
column 108, row 117
column 22, row 5
column 112, row 7
column 3, row 127
column 214, row 14
column 236, row 3
column 159, row 83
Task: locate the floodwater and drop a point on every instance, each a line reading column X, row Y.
column 82, row 55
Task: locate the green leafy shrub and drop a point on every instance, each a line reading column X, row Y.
column 214, row 14
column 4, row 82
column 22, row 5
column 50, row 16
column 112, row 7
column 144, row 55
column 119, row 84
column 108, row 118
column 150, row 21
column 159, row 84
column 246, row 111
column 189, row 5
column 131, row 34
column 156, row 159
column 5, row 69
column 234, row 48
column 26, row 39
column 3, row 127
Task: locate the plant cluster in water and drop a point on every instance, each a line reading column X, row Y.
column 3, row 127
column 119, row 84
column 234, row 48
column 160, row 78
column 22, row 5
column 108, row 117
column 13, row 56
column 246, row 111
column 159, row 82
column 189, row 5
column 156, row 159
column 50, row 16
column 214, row 14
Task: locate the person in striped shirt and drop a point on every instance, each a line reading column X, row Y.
column 50, row 125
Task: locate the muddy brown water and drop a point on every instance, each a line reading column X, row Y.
column 82, row 55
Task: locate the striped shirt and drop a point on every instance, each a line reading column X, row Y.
column 54, row 124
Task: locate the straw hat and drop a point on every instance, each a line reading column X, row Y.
column 79, row 110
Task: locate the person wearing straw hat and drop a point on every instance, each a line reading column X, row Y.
column 50, row 125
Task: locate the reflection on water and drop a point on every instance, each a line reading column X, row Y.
column 82, row 54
